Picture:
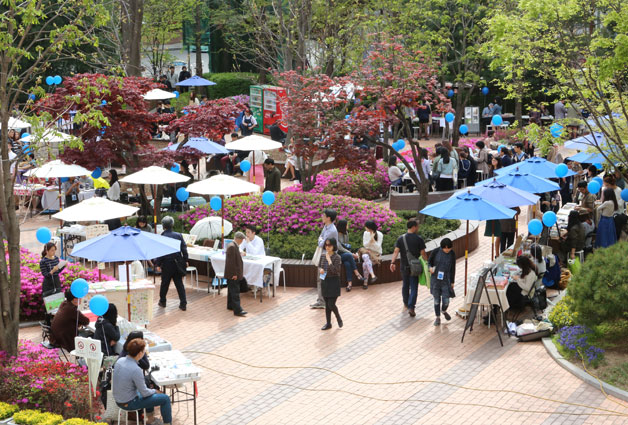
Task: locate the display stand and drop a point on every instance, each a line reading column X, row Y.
column 481, row 286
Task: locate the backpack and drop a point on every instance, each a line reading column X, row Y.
column 551, row 277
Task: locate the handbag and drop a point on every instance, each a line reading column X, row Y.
column 181, row 266
column 244, row 285
column 416, row 268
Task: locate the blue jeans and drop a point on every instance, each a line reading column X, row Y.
column 149, row 403
column 409, row 290
column 349, row 263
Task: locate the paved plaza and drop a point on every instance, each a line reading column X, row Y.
column 383, row 367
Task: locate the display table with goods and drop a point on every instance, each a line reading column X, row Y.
column 141, row 298
column 172, row 371
column 253, row 265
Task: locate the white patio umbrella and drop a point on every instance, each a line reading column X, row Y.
column 154, row 175
column 210, row 228
column 49, row 136
column 253, row 143
column 159, row 94
column 95, row 209
column 222, row 185
column 15, row 124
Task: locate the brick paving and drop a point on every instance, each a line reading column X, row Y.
column 382, row 367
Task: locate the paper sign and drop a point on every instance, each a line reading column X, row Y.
column 87, row 348
column 52, row 302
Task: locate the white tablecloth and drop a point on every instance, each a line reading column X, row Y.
column 501, row 294
column 50, row 199
column 174, row 368
column 86, row 194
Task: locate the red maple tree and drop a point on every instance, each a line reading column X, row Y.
column 213, row 119
column 314, row 110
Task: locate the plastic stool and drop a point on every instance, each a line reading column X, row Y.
column 192, row 270
column 126, row 413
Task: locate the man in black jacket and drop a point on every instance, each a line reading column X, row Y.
column 172, row 265
column 184, row 75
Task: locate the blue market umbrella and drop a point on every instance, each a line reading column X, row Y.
column 173, row 147
column 585, row 142
column 126, row 244
column 195, row 81
column 527, row 182
column 205, row 145
column 538, row 166
column 467, row 206
column 588, row 158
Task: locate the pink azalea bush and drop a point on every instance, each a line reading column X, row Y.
column 357, row 184
column 296, row 212
column 36, row 378
column 31, row 302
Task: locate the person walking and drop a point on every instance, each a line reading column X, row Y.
column 442, row 264
column 172, row 266
column 329, row 272
column 272, row 176
column 234, row 272
column 329, row 231
column 408, row 244
column 172, row 77
column 184, row 75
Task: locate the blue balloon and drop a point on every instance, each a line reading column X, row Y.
column 400, row 145
column 64, row 179
column 26, row 149
column 450, row 93
column 245, row 166
column 43, row 235
column 104, row 102
column 599, row 180
column 50, row 80
column 593, row 187
column 598, row 166
column 535, row 227
column 268, row 197
column 24, row 135
column 624, row 195
column 79, row 288
column 175, row 168
column 556, row 130
column 99, row 305
column 347, row 117
column 549, row 218
column 57, row 79
column 561, row 170
column 484, row 91
column 449, row 117
column 499, row 149
column 182, row 194
column 497, row 120
column 32, row 96
column 176, row 93
column 185, row 112
column 464, row 129
column 215, row 203
column 97, row 173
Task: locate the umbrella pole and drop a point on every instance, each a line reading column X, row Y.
column 492, row 242
column 466, row 259
column 222, row 220
column 155, row 209
column 253, row 167
column 128, row 289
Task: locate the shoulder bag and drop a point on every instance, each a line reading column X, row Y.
column 416, row 268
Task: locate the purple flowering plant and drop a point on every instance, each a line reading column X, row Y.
column 575, row 341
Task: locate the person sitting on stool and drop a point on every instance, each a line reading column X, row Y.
column 234, row 272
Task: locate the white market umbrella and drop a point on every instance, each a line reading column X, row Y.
column 159, row 94
column 49, row 136
column 154, row 175
column 211, row 228
column 222, row 185
column 95, row 209
column 15, row 124
column 59, row 169
column 253, row 143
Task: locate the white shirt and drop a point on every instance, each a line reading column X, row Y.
column 394, row 173
column 370, row 243
column 254, row 247
column 113, row 193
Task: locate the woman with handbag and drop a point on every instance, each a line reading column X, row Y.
column 442, row 263
column 370, row 252
column 329, row 270
column 346, row 256
column 49, row 267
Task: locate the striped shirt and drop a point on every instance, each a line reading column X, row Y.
column 47, row 264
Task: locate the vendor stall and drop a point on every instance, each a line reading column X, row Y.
column 141, row 296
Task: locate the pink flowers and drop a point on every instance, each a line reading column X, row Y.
column 295, row 212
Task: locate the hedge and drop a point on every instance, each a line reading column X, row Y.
column 230, row 83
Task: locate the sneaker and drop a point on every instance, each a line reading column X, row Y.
column 447, row 316
column 437, row 321
column 317, row 305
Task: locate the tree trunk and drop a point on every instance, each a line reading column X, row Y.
column 459, row 114
column 197, row 40
column 132, row 12
column 518, row 113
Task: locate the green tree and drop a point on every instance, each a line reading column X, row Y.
column 34, row 35
column 582, row 48
column 162, row 25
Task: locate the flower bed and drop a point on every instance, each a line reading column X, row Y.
column 31, row 303
column 356, row 184
column 37, row 379
column 295, row 212
column 35, row 417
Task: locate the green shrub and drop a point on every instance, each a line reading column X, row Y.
column 7, row 410
column 561, row 315
column 230, row 83
column 607, row 332
column 600, row 290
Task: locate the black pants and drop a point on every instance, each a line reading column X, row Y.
column 505, row 240
column 515, row 298
column 233, row 296
column 169, row 272
column 330, row 305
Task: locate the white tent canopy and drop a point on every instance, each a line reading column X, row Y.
column 223, row 185
column 159, row 94
column 253, row 143
column 58, row 169
column 154, row 175
column 95, row 209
